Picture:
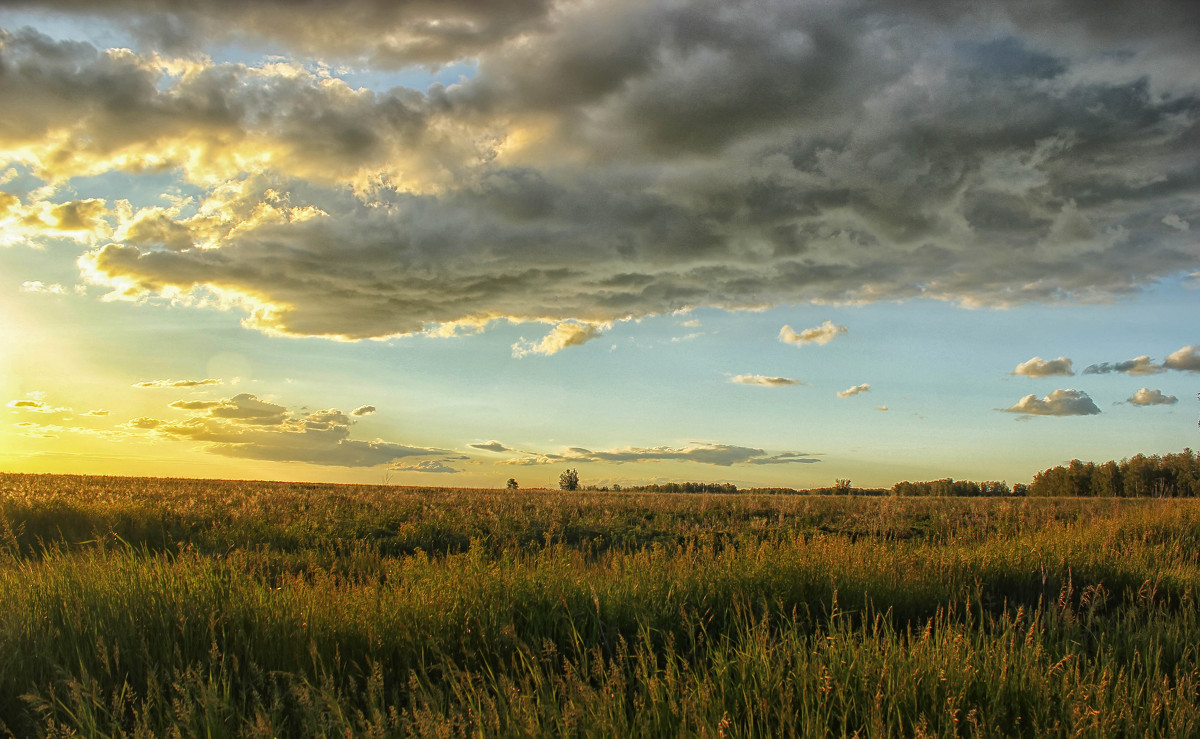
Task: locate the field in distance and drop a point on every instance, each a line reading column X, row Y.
column 155, row 607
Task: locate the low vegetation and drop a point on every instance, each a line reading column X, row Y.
column 138, row 607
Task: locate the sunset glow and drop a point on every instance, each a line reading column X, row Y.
column 454, row 243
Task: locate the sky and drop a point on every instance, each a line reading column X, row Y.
column 773, row 243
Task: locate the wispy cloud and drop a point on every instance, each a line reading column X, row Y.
column 1068, row 402
column 1142, row 365
column 35, row 405
column 722, row 455
column 1038, row 367
column 176, row 383
column 856, row 390
column 1146, row 396
column 822, row 334
column 428, row 465
column 764, row 381
column 490, row 446
column 37, row 286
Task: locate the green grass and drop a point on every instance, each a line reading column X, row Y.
column 203, row 608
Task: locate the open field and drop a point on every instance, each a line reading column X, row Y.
column 148, row 607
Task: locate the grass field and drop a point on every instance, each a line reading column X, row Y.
column 142, row 607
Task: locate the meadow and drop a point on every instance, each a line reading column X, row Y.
column 159, row 608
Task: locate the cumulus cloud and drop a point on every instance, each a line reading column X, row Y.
column 157, row 384
column 607, row 161
column 363, row 410
column 856, row 390
column 764, row 381
column 1067, row 402
column 822, row 334
column 1038, row 367
column 1142, row 365
column 247, row 427
column 1145, row 396
column 1186, row 359
column 560, row 337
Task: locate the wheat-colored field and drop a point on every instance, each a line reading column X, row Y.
column 154, row 607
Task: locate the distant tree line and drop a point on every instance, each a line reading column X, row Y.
column 963, row 488
column 1140, row 476
column 682, row 487
column 1168, row 476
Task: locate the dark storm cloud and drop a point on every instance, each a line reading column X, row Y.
column 381, row 32
column 624, row 159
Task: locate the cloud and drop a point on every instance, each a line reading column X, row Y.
column 822, row 334
column 98, row 412
column 1058, row 403
column 533, row 460
column 764, row 381
column 1145, row 396
column 35, row 403
column 379, row 33
column 1038, row 367
column 1176, row 222
column 428, row 465
column 176, row 383
column 722, row 455
column 856, row 390
column 785, row 458
column 363, row 410
column 1186, row 359
column 1137, row 366
column 606, row 161
column 246, row 427
column 490, row 446
column 247, row 408
column 144, row 423
column 37, row 286
column 560, row 337
column 882, row 408
column 195, row 405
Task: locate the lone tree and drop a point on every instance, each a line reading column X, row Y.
column 842, row 485
column 511, row 484
column 569, row 480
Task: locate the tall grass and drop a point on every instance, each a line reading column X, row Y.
column 244, row 609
